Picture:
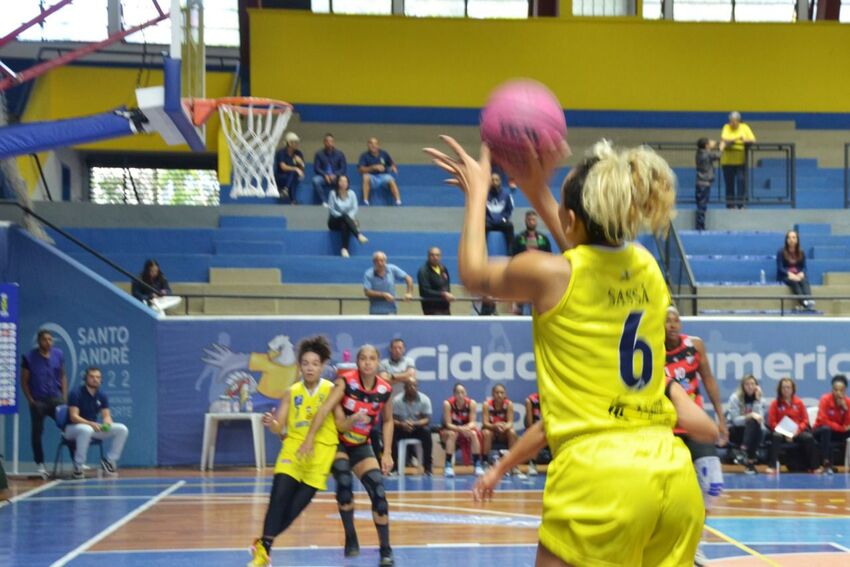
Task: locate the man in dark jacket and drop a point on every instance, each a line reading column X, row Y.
column 435, row 285
column 328, row 164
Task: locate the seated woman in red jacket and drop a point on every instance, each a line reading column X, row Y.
column 787, row 404
column 833, row 422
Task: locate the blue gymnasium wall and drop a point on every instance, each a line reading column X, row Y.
column 479, row 352
column 93, row 323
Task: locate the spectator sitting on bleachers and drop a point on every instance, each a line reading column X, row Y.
column 342, row 208
column 435, row 285
column 529, row 239
column 379, row 283
column 498, row 424
column 290, row 168
column 328, row 166
column 377, row 168
column 412, row 420
column 500, row 205
column 791, row 269
column 787, row 404
column 460, row 430
column 833, row 421
column 745, row 416
column 153, row 276
column 160, row 299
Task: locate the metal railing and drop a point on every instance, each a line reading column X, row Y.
column 782, row 301
column 339, row 300
column 27, row 211
column 761, row 188
column 677, row 271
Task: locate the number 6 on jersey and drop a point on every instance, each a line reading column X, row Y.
column 629, row 344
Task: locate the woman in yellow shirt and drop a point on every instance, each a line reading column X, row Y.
column 297, row 479
column 620, row 488
column 734, row 139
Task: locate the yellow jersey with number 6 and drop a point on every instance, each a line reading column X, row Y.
column 600, row 352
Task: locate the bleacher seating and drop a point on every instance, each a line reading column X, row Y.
column 422, row 185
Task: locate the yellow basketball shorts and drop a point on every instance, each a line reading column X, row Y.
column 625, row 497
column 313, row 470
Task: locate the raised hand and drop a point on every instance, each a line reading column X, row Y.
column 473, row 177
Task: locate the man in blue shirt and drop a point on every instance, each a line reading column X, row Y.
column 328, row 164
column 84, row 406
column 45, row 386
column 377, row 167
column 379, row 283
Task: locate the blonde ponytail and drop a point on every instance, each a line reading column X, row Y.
column 628, row 191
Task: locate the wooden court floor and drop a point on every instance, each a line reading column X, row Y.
column 184, row 517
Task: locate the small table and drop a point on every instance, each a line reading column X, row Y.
column 211, row 421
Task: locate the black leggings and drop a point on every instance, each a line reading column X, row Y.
column 346, row 226
column 288, row 499
column 749, row 435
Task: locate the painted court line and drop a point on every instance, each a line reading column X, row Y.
column 741, row 546
column 116, row 525
column 839, row 546
column 30, row 493
column 302, row 548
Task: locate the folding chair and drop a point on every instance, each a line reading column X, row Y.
column 61, row 423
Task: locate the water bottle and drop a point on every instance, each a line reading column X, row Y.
column 249, row 406
column 762, row 278
column 346, row 355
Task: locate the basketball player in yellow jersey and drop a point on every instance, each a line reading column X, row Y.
column 620, row 489
column 297, row 479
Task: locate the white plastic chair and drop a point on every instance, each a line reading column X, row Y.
column 403, row 444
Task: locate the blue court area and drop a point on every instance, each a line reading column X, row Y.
column 767, row 520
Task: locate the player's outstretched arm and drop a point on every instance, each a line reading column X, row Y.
column 526, row 277
column 531, row 442
column 692, row 418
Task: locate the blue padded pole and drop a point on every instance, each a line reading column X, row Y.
column 22, row 139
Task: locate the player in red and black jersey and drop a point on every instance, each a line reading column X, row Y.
column 687, row 365
column 359, row 398
column 460, row 429
column 532, row 416
column 498, row 422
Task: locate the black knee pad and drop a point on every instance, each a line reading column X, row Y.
column 373, row 482
column 341, row 470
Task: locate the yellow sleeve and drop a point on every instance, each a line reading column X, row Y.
column 748, row 134
column 259, row 362
column 725, row 133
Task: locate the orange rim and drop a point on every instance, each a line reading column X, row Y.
column 203, row 108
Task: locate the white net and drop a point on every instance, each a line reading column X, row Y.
column 253, row 129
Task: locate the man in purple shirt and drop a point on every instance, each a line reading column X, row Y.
column 45, row 386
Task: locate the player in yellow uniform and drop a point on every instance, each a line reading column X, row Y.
column 297, row 479
column 620, row 489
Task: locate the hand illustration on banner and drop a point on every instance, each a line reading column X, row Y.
column 276, row 366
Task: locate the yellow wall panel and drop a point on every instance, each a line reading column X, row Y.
column 70, row 92
column 591, row 63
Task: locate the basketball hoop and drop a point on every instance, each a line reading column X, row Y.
column 253, row 126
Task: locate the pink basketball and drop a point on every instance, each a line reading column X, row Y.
column 518, row 110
